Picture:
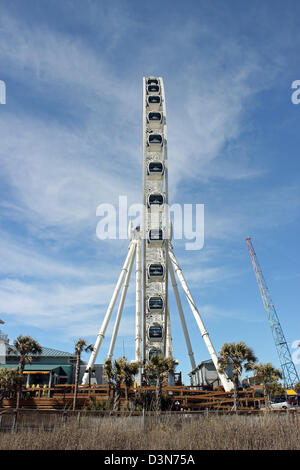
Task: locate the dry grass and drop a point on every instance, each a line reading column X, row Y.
column 275, row 432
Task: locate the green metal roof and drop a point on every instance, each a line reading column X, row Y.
column 8, row 366
column 41, row 367
column 49, row 352
column 28, row 367
column 54, row 353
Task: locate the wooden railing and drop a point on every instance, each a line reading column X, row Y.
column 184, row 398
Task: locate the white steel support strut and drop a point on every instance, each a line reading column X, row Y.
column 138, row 308
column 109, row 312
column 227, row 384
column 120, row 309
column 169, row 346
column 181, row 314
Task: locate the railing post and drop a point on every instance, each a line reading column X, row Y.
column 64, row 418
column 144, row 420
column 15, row 419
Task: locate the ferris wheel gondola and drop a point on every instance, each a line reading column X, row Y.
column 155, row 170
column 154, row 102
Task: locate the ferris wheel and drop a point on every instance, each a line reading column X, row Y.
column 150, row 246
column 156, row 226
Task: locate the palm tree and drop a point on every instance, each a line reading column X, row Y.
column 276, row 388
column 117, row 372
column 130, row 370
column 237, row 356
column 80, row 346
column 109, row 376
column 10, row 380
column 118, row 367
column 24, row 347
column 297, row 387
column 158, row 368
column 268, row 376
column 114, row 373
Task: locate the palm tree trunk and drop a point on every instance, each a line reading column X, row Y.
column 2, row 395
column 110, row 394
column 126, row 396
column 19, row 391
column 158, row 393
column 76, row 381
column 235, row 393
column 117, row 396
column 18, row 398
column 266, row 398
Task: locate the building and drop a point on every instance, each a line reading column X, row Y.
column 4, row 343
column 51, row 367
column 96, row 374
column 205, row 375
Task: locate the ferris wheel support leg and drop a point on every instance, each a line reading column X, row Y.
column 138, row 309
column 108, row 314
column 181, row 314
column 169, row 349
column 120, row 309
column 227, row 384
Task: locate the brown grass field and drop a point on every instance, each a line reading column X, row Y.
column 198, row 432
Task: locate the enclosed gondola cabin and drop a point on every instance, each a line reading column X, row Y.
column 156, row 272
column 154, row 102
column 154, row 120
column 155, row 199
column 152, row 81
column 154, row 142
column 155, row 304
column 154, row 352
column 155, row 332
column 155, row 170
column 155, row 238
column 153, row 89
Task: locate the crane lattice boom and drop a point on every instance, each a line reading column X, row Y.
column 289, row 372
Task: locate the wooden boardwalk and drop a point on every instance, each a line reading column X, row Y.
column 183, row 398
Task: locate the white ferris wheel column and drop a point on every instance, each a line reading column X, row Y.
column 181, row 314
column 109, row 311
column 138, row 308
column 156, row 339
column 121, row 306
column 169, row 345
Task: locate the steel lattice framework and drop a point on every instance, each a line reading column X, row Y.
column 289, row 372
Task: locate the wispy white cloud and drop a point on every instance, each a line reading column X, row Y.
column 56, row 170
column 208, row 99
column 199, row 274
column 58, row 306
column 57, row 59
column 211, row 311
column 253, row 211
column 211, row 101
column 52, row 174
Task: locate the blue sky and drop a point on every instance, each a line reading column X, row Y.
column 70, row 138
